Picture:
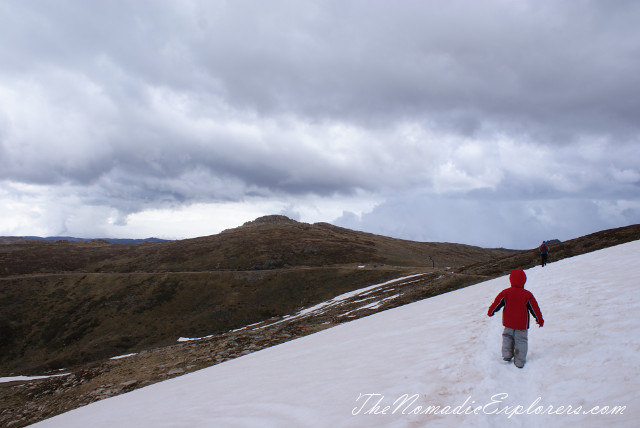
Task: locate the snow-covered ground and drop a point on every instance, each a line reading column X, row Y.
column 442, row 351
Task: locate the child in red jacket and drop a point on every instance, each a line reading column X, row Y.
column 517, row 303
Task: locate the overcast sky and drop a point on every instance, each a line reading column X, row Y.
column 497, row 123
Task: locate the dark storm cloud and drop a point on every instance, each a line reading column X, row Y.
column 536, row 66
column 542, row 68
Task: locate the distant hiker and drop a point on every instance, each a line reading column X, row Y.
column 517, row 303
column 544, row 253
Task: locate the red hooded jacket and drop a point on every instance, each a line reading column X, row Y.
column 517, row 303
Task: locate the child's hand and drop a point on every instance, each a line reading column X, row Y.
column 540, row 323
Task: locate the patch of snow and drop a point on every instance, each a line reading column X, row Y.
column 364, row 300
column 123, row 356
column 373, row 305
column 29, row 378
column 322, row 307
column 360, row 292
column 400, row 285
column 189, row 339
column 380, row 302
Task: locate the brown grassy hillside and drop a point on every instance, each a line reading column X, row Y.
column 267, row 243
column 68, row 303
column 277, row 242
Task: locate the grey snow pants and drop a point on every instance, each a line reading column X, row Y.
column 514, row 345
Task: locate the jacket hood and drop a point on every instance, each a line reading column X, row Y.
column 517, row 278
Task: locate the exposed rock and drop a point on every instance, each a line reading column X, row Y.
column 270, row 219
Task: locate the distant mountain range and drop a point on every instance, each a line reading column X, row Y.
column 109, row 240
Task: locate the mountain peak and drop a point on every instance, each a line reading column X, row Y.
column 271, row 219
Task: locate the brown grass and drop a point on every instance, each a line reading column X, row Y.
column 69, row 303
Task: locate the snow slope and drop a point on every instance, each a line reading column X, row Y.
column 443, row 351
